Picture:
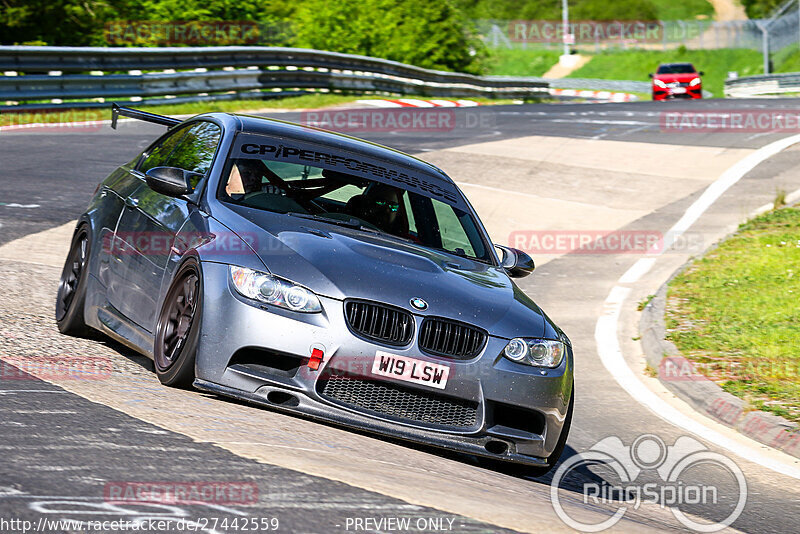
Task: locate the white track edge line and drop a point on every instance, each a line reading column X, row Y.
column 712, row 193
column 607, row 327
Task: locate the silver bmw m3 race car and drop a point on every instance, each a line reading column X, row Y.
column 315, row 273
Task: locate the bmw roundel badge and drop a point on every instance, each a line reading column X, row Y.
column 419, row 303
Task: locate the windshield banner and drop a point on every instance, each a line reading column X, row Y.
column 291, row 151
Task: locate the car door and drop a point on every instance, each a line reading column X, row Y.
column 150, row 220
column 119, row 288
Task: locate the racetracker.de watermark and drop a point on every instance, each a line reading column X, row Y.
column 604, row 242
column 730, row 121
column 56, row 368
column 182, row 32
column 586, row 31
column 407, row 119
column 686, row 478
column 680, row 369
column 197, row 492
column 53, row 120
column 163, row 244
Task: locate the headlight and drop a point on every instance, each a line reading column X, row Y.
column 536, row 352
column 273, row 290
column 694, row 82
column 659, row 83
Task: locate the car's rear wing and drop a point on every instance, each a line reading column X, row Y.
column 117, row 110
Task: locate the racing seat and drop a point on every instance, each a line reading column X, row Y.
column 356, row 207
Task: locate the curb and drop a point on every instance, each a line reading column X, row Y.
column 602, row 96
column 381, row 103
column 677, row 374
column 418, row 103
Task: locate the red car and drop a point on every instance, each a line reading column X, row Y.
column 677, row 80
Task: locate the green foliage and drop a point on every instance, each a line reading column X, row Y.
column 587, row 9
column 735, row 311
column 644, row 302
column 238, row 10
column 787, row 59
column 637, row 64
column 760, row 9
column 520, row 62
column 683, row 10
column 262, row 22
column 428, row 34
column 63, row 22
column 578, row 9
column 82, row 22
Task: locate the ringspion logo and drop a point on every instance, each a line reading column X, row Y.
column 676, row 477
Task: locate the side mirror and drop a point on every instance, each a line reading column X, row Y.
column 515, row 262
column 701, row 73
column 650, row 75
column 170, row 181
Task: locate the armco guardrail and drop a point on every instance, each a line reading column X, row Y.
column 628, row 86
column 765, row 84
column 85, row 73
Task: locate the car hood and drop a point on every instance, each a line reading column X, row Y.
column 682, row 78
column 340, row 263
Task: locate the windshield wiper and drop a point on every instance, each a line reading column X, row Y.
column 349, row 223
column 353, row 223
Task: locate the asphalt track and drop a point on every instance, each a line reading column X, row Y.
column 60, row 447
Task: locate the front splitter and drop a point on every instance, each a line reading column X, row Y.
column 295, row 402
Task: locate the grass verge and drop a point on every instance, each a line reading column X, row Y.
column 313, row 101
column 735, row 313
column 633, row 64
column 637, row 64
column 786, row 60
column 66, row 114
column 683, row 10
column 520, row 61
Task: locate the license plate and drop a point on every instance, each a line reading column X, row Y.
column 410, row 370
column 678, row 90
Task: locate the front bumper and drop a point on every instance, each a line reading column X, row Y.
column 260, row 355
column 670, row 93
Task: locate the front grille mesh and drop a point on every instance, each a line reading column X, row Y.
column 442, row 337
column 400, row 402
column 379, row 322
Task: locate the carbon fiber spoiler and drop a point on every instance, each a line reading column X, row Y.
column 117, row 110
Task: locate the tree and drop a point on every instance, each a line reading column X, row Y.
column 760, row 9
column 83, row 22
column 551, row 9
column 53, row 22
column 420, row 32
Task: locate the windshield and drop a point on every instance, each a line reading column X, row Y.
column 676, row 68
column 360, row 198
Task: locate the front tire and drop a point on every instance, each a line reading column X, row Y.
column 71, row 295
column 178, row 328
